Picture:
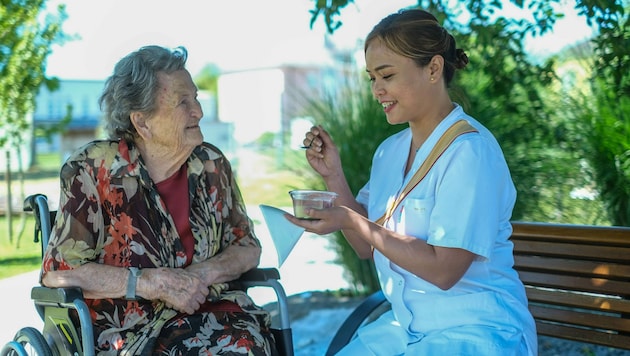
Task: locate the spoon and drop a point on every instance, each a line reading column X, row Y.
column 309, row 144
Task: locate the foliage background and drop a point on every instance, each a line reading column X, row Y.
column 561, row 133
column 567, row 142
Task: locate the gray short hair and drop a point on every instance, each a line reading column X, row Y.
column 133, row 87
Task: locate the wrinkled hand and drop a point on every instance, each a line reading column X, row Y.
column 178, row 289
column 323, row 154
column 327, row 220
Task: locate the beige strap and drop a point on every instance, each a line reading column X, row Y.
column 458, row 128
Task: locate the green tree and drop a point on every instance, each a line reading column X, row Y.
column 513, row 95
column 608, row 127
column 208, row 78
column 26, row 35
column 599, row 112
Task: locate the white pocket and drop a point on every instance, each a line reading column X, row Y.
column 415, row 216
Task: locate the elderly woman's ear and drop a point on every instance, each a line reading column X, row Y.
column 139, row 121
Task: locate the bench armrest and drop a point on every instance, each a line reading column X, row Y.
column 357, row 318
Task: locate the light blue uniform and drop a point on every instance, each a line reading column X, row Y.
column 465, row 201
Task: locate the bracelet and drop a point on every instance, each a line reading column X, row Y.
column 132, row 281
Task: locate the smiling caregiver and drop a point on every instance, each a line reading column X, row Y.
column 435, row 213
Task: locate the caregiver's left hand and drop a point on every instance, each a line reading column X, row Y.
column 323, row 221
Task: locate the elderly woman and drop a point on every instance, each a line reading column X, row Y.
column 151, row 224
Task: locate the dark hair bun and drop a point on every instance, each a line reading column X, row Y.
column 461, row 59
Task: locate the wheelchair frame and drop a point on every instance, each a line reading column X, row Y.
column 54, row 305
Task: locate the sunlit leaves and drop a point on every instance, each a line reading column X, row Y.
column 26, row 36
column 329, row 10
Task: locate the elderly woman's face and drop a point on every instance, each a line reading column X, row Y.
column 175, row 124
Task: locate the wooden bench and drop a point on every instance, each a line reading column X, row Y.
column 577, row 280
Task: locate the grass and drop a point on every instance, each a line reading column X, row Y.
column 22, row 254
column 18, row 258
column 260, row 180
column 269, row 189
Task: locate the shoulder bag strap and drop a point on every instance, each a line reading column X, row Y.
column 458, row 128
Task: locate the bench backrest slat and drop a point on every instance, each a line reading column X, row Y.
column 609, row 235
column 576, row 284
column 561, row 248
column 580, row 319
column 593, row 269
column 602, row 303
column 583, row 335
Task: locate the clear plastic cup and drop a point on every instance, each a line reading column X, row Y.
column 316, row 199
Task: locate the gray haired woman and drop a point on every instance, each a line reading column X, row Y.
column 151, row 224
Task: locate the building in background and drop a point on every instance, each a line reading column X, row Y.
column 268, row 100
column 249, row 104
column 81, row 98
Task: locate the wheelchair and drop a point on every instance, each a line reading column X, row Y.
column 60, row 336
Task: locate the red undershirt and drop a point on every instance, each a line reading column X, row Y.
column 174, row 192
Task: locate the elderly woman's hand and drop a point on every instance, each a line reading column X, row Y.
column 177, row 288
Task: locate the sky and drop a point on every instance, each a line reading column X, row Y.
column 234, row 35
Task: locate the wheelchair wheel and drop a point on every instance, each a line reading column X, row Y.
column 27, row 341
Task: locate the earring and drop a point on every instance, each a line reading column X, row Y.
column 432, row 78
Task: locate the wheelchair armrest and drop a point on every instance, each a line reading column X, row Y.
column 356, row 319
column 68, row 295
column 52, row 300
column 260, row 274
column 268, row 277
column 56, row 295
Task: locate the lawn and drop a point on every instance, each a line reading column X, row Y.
column 263, row 182
column 26, row 256
column 13, row 259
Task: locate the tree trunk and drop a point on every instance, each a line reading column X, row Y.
column 21, row 178
column 9, row 198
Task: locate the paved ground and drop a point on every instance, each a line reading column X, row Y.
column 16, row 308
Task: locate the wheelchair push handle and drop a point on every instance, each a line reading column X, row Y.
column 38, row 204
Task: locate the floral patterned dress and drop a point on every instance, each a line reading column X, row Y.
column 110, row 212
